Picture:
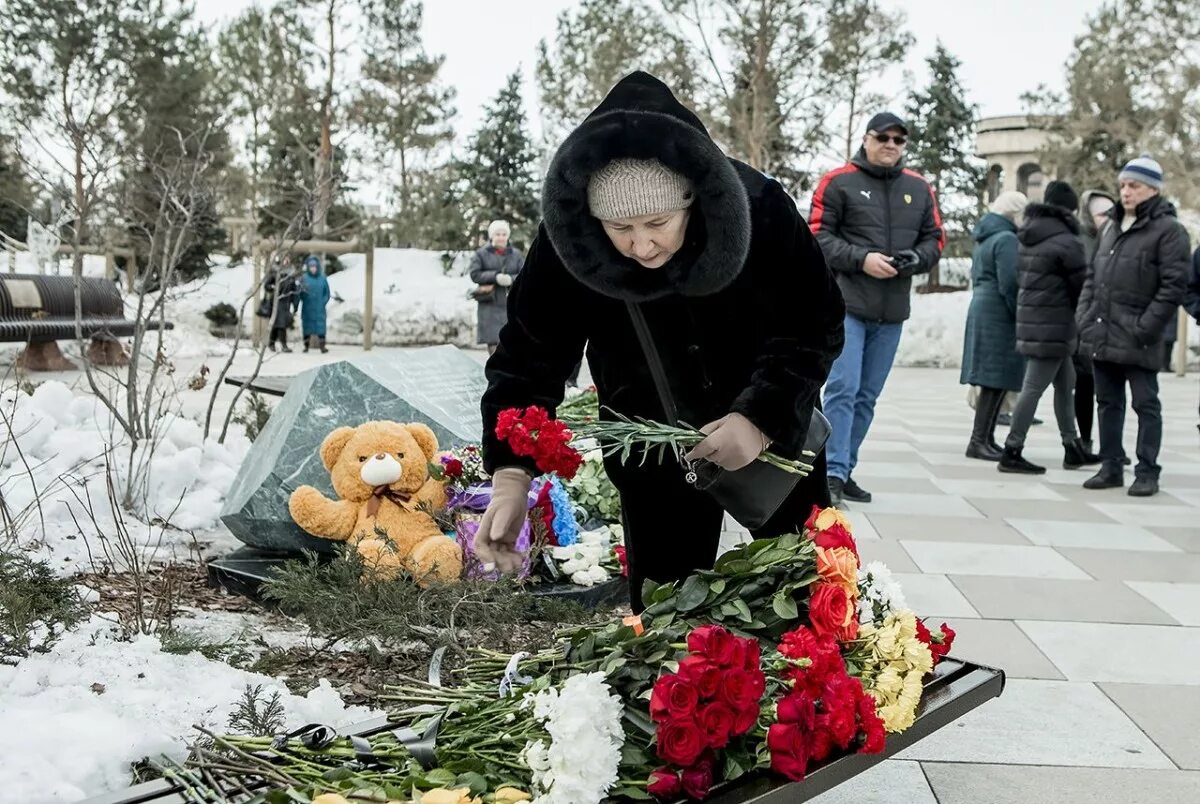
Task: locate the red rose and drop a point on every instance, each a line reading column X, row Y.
column 836, row 536
column 790, row 748
column 698, row 779
column 714, row 643
column 751, row 653
column 744, row 719
column 673, row 697
column 664, row 783
column 717, row 720
column 829, row 610
column 701, row 672
column 680, row 742
column 789, row 767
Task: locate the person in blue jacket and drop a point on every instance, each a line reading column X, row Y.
column 314, row 296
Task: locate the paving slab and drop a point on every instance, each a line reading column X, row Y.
column 1186, row 539
column 999, row 643
column 1168, row 714
column 999, row 488
column 1006, row 784
column 1180, row 600
column 1134, row 654
column 897, row 485
column 944, row 529
column 934, row 596
column 927, row 505
column 1043, row 723
column 1069, row 511
column 1135, row 565
column 1093, row 535
column 1170, row 516
column 867, row 470
column 890, row 553
column 957, row 558
column 1046, row 599
column 890, row 781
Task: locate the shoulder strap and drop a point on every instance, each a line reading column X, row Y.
column 654, row 361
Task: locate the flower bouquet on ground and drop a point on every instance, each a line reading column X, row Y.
column 758, row 665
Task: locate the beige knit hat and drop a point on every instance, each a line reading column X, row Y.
column 1010, row 204
column 629, row 188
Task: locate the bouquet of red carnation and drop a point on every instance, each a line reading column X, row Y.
column 533, row 434
column 713, row 698
column 822, row 708
column 940, row 641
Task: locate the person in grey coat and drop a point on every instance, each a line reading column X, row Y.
column 990, row 360
column 493, row 269
column 1134, row 285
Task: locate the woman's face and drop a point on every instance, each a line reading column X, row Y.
column 650, row 240
column 500, row 239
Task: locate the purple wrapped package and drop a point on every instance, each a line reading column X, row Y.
column 469, row 506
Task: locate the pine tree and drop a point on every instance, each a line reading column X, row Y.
column 1133, row 85
column 499, row 167
column 402, row 106
column 17, row 194
column 942, row 145
column 595, row 45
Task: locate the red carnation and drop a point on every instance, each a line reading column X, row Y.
column 798, row 708
column 698, row 779
column 673, row 698
column 533, row 434
column 872, row 726
column 680, row 742
column 622, row 559
column 664, row 783
column 714, row 643
column 941, row 647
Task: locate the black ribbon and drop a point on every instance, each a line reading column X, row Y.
column 421, row 746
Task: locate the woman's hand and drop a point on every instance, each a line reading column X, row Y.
column 496, row 538
column 733, row 443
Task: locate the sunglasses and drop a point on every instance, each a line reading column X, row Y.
column 884, row 139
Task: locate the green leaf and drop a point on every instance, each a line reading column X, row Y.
column 649, row 589
column 785, row 607
column 440, row 777
column 475, row 781
column 789, row 541
column 733, row 768
column 728, row 610
column 692, row 595
column 716, row 587
column 635, row 793
column 772, row 556
column 743, row 611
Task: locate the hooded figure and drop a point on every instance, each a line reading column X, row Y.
column 641, row 206
column 314, row 296
column 990, row 359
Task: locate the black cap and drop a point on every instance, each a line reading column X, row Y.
column 1061, row 194
column 885, row 120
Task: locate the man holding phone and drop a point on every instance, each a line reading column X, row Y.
column 878, row 224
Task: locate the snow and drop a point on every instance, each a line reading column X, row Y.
column 416, row 301
column 54, row 470
column 23, row 261
column 76, row 738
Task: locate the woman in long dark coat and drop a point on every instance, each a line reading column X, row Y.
column 641, row 206
column 990, row 360
column 280, row 305
column 493, row 269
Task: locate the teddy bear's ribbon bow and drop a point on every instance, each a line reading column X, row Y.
column 378, row 496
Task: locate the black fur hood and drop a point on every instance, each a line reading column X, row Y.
column 642, row 119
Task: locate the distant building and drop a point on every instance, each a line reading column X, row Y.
column 1012, row 146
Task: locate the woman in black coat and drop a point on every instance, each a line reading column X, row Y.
column 640, row 206
column 1050, row 278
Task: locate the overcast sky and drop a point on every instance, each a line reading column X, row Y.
column 1006, row 47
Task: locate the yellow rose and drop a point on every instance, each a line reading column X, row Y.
column 830, row 517
column 838, row 566
column 508, row 795
column 330, row 798
column 440, row 795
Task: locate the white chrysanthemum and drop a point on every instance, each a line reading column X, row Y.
column 879, row 593
column 583, row 719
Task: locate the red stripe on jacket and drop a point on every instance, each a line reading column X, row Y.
column 818, row 202
column 937, row 212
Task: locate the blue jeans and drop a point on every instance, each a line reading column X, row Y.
column 854, row 384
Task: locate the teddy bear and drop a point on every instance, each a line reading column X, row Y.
column 380, row 471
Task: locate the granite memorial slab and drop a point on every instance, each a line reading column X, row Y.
column 439, row 386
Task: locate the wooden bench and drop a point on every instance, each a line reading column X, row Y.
column 39, row 311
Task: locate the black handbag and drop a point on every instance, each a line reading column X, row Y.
column 750, row 495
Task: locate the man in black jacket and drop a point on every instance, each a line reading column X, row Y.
column 1135, row 283
column 878, row 225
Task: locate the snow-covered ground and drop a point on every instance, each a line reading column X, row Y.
column 72, row 720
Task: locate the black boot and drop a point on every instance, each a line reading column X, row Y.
column 982, row 445
column 1143, row 487
column 1012, row 463
column 1106, row 478
column 836, row 486
column 1076, row 455
column 323, row 349
column 854, row 492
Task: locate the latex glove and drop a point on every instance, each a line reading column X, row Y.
column 504, row 280
column 496, row 538
column 878, row 266
column 733, row 443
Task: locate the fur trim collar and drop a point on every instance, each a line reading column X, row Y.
column 641, row 119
